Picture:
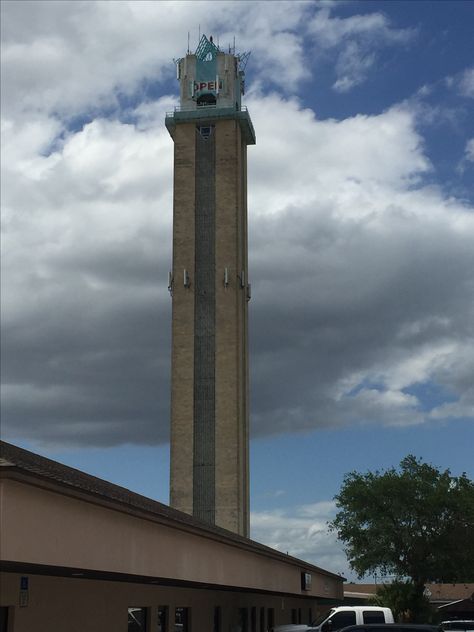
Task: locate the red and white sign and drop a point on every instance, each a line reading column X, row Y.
column 207, row 86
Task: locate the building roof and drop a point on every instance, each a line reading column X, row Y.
column 437, row 592
column 22, row 464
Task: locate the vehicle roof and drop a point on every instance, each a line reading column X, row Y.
column 359, row 608
column 390, row 626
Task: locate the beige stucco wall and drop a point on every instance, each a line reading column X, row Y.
column 58, row 604
column 41, row 526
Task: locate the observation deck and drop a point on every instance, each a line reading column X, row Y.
column 209, row 114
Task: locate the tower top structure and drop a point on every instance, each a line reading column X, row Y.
column 212, row 83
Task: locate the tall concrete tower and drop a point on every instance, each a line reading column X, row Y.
column 210, row 290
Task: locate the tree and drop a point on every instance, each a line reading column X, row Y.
column 415, row 523
column 405, row 603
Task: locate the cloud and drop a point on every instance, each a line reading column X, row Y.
column 302, row 532
column 373, row 295
column 80, row 58
column 466, row 83
column 470, row 150
column 87, row 246
column 357, row 41
column 361, row 271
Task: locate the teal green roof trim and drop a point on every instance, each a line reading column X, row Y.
column 206, row 50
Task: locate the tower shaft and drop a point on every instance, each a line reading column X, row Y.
column 209, row 398
column 209, row 409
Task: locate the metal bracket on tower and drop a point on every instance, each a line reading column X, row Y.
column 170, row 282
column 242, row 278
column 226, row 277
column 186, row 279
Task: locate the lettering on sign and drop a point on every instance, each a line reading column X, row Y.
column 206, row 86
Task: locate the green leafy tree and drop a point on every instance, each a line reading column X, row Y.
column 405, row 603
column 416, row 522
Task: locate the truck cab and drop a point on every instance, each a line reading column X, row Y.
column 341, row 617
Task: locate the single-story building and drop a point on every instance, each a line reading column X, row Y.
column 79, row 554
column 454, row 601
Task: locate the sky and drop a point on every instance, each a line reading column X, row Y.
column 361, row 242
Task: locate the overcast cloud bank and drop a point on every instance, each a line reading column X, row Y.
column 361, row 266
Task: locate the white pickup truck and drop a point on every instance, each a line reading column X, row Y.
column 341, row 617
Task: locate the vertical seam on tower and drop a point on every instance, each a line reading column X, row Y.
column 204, row 327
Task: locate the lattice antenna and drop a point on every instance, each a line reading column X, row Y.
column 243, row 59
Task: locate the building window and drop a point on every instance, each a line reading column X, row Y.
column 137, row 619
column 217, row 625
column 244, row 619
column 262, row 619
column 270, row 618
column 181, row 620
column 206, row 100
column 310, row 616
column 162, row 618
column 205, row 130
column 3, row 618
column 253, row 620
column 294, row 618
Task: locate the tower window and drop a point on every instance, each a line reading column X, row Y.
column 205, row 130
column 206, row 100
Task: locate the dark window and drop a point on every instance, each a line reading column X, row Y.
column 217, row 619
column 136, row 619
column 253, row 620
column 340, row 620
column 205, row 131
column 206, row 99
column 270, row 618
column 310, row 616
column 181, row 620
column 243, row 619
column 162, row 618
column 262, row 619
column 294, row 618
column 3, row 618
column 373, row 616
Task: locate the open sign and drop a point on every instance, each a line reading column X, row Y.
column 207, row 86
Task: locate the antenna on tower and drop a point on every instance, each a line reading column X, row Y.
column 233, row 52
column 188, row 42
column 199, row 38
